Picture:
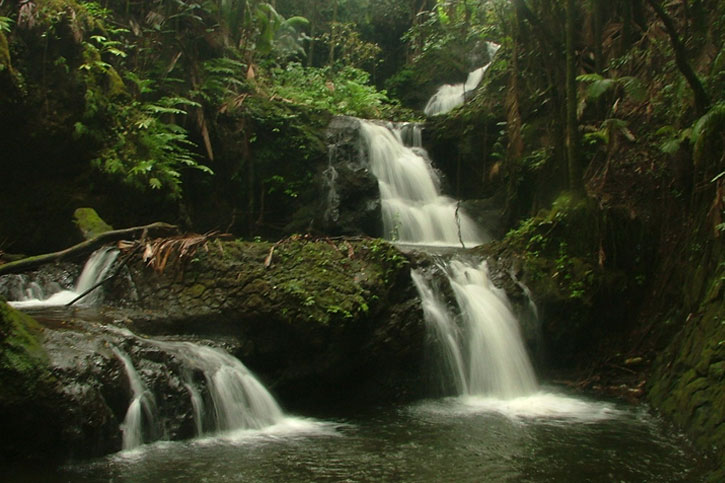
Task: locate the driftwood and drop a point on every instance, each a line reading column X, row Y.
column 84, row 248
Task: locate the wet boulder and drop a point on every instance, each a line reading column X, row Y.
column 350, row 201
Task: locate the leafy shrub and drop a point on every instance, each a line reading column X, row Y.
column 346, row 91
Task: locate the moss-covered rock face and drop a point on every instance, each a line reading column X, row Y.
column 27, row 410
column 23, row 362
column 689, row 379
column 319, row 319
column 350, row 201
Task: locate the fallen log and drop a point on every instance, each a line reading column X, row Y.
column 88, row 246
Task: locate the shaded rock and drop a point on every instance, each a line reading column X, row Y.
column 350, row 195
column 319, row 320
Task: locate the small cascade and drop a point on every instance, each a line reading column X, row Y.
column 223, row 394
column 94, row 271
column 332, row 210
column 450, row 96
column 239, row 400
column 485, row 355
column 141, row 414
column 414, row 210
column 444, row 329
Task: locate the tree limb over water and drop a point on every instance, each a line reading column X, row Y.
column 88, row 246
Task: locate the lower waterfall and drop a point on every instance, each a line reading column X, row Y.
column 486, row 355
column 227, row 398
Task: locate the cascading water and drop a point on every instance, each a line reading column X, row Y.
column 498, row 362
column 228, row 399
column 414, row 210
column 94, row 271
column 141, row 413
column 486, row 355
column 238, row 399
column 450, row 96
column 483, row 354
column 446, row 331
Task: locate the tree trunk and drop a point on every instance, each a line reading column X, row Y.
column 597, row 26
column 333, row 36
column 702, row 102
column 575, row 171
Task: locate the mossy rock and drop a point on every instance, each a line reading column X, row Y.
column 27, row 403
column 23, row 360
column 89, row 223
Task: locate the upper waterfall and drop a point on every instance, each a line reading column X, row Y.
column 450, row 96
column 414, row 210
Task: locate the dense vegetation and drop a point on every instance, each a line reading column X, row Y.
column 599, row 130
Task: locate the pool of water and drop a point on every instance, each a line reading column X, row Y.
column 541, row 438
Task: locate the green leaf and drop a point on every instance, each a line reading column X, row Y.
column 597, row 88
column 116, row 52
column 670, row 146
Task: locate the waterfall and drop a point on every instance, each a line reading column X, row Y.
column 239, row 400
column 94, row 271
column 141, row 413
column 498, row 362
column 230, row 398
column 450, row 96
column 485, row 353
column 444, row 329
column 414, row 210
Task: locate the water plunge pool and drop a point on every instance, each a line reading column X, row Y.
column 456, row 439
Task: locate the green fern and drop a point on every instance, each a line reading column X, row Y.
column 599, row 85
column 707, row 134
column 5, row 24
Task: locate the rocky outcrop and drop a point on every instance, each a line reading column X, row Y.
column 688, row 377
column 319, row 320
column 351, row 197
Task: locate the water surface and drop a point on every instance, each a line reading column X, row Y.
column 541, row 438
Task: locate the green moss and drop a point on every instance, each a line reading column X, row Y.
column 115, row 85
column 297, row 280
column 689, row 379
column 89, row 223
column 197, row 290
column 325, row 281
column 23, row 361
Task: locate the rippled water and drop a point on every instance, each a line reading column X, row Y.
column 541, row 438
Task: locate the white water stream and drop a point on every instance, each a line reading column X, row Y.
column 414, row 210
column 483, row 354
column 238, row 400
column 235, row 400
column 450, row 96
column 95, row 270
column 141, row 413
